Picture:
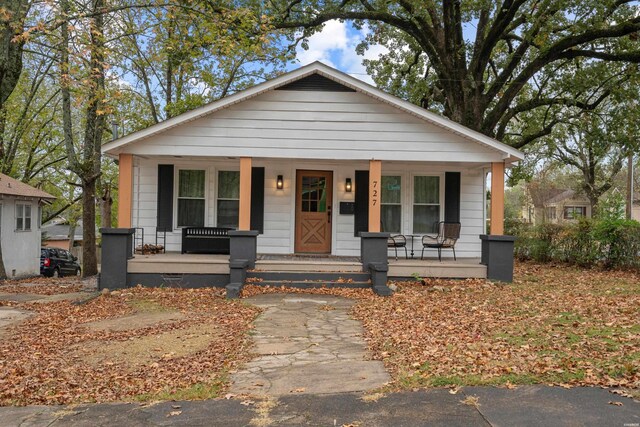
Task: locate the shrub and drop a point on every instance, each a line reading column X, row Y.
column 607, row 242
column 620, row 243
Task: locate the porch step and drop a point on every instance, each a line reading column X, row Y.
column 306, row 284
column 309, row 266
column 301, row 276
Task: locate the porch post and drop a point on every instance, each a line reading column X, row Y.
column 244, row 220
column 125, row 189
column 497, row 198
column 375, row 183
column 497, row 249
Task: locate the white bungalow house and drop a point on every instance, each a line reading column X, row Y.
column 20, row 234
column 309, row 160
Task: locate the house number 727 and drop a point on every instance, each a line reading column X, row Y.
column 374, row 193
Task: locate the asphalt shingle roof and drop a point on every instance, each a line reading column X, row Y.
column 13, row 187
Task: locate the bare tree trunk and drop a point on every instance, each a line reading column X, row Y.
column 89, row 256
column 3, row 273
column 105, row 208
column 88, row 168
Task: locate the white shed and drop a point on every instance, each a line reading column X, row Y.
column 20, row 234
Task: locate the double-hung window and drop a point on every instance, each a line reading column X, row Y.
column 575, row 212
column 426, row 203
column 23, row 217
column 191, row 198
column 391, row 204
column 228, row 203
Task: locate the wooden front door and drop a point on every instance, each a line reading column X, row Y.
column 314, row 194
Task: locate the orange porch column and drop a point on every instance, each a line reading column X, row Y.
column 375, row 183
column 244, row 222
column 125, row 189
column 497, row 198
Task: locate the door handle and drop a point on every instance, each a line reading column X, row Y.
column 329, row 214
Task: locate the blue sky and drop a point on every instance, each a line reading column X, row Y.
column 335, row 46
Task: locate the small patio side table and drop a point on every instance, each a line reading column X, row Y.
column 413, row 236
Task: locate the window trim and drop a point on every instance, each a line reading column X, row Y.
column 176, row 191
column 411, row 196
column 400, row 203
column 24, row 216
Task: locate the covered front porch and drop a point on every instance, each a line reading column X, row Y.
column 278, row 205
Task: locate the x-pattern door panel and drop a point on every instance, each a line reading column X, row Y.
column 313, row 211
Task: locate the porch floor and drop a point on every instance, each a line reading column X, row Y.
column 177, row 263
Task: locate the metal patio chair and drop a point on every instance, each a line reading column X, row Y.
column 396, row 241
column 448, row 235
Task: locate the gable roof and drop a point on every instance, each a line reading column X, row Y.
column 12, row 187
column 509, row 154
column 560, row 195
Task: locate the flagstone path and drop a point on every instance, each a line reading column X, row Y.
column 307, row 344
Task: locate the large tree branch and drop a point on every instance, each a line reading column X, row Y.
column 504, row 17
column 554, row 53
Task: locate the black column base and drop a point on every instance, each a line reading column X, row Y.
column 243, row 245
column 242, row 256
column 497, row 255
column 117, row 248
column 373, row 254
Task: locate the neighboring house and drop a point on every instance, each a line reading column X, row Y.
column 635, row 213
column 56, row 235
column 20, row 234
column 309, row 160
column 559, row 206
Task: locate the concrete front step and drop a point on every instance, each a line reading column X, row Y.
column 306, row 284
column 312, row 275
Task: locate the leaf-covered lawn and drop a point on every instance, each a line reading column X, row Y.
column 64, row 354
column 554, row 324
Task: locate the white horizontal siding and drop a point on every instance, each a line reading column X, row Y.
column 278, row 237
column 315, row 125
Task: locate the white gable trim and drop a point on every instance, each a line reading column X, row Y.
column 510, row 154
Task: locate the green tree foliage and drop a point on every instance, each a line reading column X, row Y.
column 180, row 57
column 595, row 142
column 510, row 79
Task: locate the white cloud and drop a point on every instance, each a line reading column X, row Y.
column 336, row 45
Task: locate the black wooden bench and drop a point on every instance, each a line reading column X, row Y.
column 205, row 240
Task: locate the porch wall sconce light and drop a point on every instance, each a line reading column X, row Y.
column 279, row 183
column 347, row 185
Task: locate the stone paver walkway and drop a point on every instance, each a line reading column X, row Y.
column 307, row 344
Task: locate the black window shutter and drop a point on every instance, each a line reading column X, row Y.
column 361, row 217
column 452, row 196
column 257, row 199
column 165, row 198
